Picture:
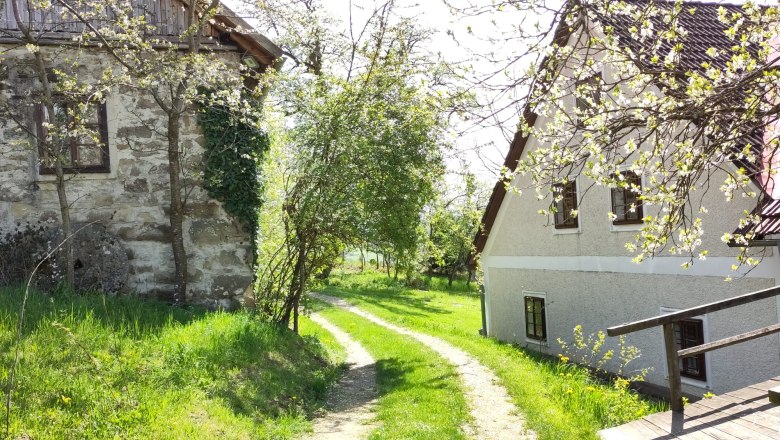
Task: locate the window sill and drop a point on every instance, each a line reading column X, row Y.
column 565, row 231
column 692, row 382
column 536, row 343
column 51, row 178
column 627, row 227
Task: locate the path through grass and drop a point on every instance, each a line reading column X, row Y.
column 419, row 393
column 558, row 400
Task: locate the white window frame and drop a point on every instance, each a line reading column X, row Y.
column 706, row 385
column 536, row 342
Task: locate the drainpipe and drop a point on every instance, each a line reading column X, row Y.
column 483, row 330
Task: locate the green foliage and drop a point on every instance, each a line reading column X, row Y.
column 454, row 222
column 235, row 147
column 99, row 367
column 559, row 400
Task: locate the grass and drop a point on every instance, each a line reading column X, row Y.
column 420, row 394
column 96, row 367
column 559, row 400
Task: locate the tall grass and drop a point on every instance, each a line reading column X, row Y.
column 97, row 367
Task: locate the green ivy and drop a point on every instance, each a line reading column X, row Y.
column 231, row 174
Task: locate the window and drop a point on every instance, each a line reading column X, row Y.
column 535, row 319
column 587, row 97
column 82, row 153
column 567, row 193
column 625, row 202
column 690, row 333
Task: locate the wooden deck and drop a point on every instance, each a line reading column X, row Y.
column 741, row 414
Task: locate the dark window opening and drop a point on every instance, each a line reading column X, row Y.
column 625, row 202
column 535, row 318
column 690, row 333
column 79, row 153
column 564, row 218
column 587, row 97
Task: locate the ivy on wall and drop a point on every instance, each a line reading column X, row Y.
column 234, row 151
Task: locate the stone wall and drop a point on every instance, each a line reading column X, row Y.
column 132, row 200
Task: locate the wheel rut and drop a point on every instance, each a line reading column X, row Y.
column 495, row 417
column 351, row 404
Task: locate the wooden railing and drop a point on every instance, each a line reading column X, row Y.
column 673, row 355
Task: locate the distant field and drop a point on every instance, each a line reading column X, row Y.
column 98, row 367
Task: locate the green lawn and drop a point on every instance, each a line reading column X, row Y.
column 420, row 394
column 96, row 367
column 560, row 401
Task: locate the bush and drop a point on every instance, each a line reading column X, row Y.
column 100, row 260
column 21, row 250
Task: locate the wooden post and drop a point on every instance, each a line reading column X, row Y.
column 673, row 367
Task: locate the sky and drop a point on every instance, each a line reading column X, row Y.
column 481, row 149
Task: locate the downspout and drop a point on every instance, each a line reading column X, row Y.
column 483, row 330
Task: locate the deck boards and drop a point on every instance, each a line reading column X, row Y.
column 744, row 414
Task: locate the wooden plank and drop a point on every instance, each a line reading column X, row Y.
column 679, row 425
column 632, row 430
column 722, row 424
column 721, row 343
column 747, row 393
column 673, row 368
column 693, row 311
column 766, row 385
column 738, row 412
column 658, row 431
column 754, row 412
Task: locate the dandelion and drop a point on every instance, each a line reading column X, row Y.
column 569, row 391
column 591, row 389
column 708, row 395
column 65, row 399
column 563, row 358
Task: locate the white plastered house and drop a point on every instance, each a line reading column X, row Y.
column 542, row 277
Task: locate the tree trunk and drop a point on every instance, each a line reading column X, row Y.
column 450, row 277
column 377, row 260
column 362, row 260
column 67, row 227
column 176, row 216
column 387, row 265
column 470, row 275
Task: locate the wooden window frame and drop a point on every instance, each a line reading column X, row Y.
column 563, row 218
column 683, row 340
column 101, row 127
column 581, row 104
column 635, row 179
column 535, row 300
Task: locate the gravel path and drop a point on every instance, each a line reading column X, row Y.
column 351, row 403
column 495, row 417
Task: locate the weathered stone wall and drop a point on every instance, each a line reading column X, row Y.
column 132, row 200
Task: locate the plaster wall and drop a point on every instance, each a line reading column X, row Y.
column 587, row 276
column 600, row 300
column 132, row 200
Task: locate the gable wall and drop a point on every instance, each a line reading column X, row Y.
column 132, row 201
column 588, row 278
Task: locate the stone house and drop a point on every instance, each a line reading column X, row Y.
column 124, row 185
column 541, row 280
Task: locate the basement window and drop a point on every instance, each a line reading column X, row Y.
column 535, row 318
